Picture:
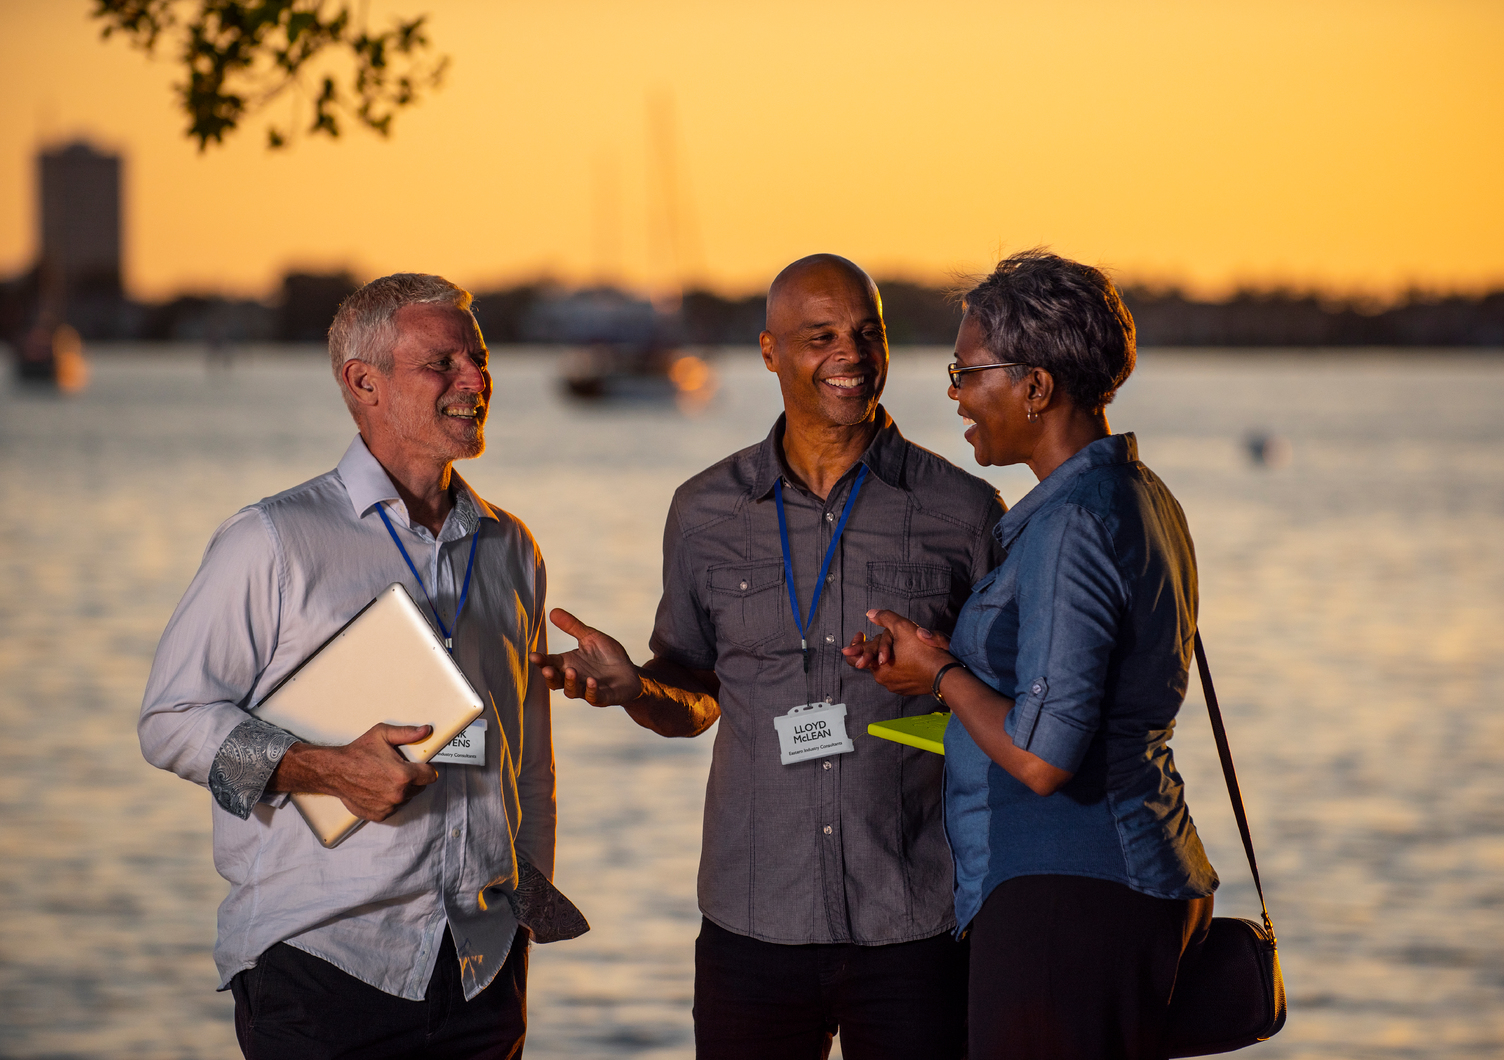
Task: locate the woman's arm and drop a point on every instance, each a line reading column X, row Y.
column 905, row 660
column 983, row 712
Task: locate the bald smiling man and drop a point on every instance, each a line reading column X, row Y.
column 825, row 878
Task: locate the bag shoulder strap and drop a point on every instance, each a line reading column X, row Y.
column 1219, row 732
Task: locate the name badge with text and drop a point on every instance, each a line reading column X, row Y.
column 812, row 730
column 466, row 749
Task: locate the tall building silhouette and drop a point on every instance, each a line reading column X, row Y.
column 80, row 222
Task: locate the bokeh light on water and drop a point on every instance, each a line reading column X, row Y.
column 1351, row 602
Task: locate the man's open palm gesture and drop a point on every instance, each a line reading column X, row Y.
column 599, row 671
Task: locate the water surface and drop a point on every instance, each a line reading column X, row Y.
column 1351, row 604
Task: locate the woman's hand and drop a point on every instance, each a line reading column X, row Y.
column 904, row 658
column 867, row 653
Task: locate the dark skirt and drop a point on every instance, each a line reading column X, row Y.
column 1074, row 968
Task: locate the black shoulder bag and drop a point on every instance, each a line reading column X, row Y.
column 1232, row 994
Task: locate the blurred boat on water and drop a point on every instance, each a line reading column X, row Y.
column 52, row 355
column 606, row 371
column 623, row 348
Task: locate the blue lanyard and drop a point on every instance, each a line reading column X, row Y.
column 464, row 592
column 830, row 554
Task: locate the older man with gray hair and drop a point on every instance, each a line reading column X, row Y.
column 409, row 938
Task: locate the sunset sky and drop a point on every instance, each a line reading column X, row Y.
column 1356, row 146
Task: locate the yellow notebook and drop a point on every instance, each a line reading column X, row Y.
column 925, row 731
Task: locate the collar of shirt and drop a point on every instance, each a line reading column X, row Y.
column 884, row 456
column 369, row 485
column 1114, row 449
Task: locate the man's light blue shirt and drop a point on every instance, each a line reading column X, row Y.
column 276, row 581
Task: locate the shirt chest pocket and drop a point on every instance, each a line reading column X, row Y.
column 748, row 602
column 918, row 591
column 989, row 620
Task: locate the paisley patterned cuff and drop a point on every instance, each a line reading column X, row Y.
column 245, row 763
column 542, row 908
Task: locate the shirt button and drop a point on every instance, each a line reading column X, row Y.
column 455, row 833
column 830, row 699
column 825, row 764
column 1036, row 688
column 830, row 638
column 830, row 517
column 827, row 829
column 744, row 585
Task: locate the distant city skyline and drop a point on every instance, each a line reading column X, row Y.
column 1346, row 146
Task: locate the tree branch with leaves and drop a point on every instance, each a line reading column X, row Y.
column 240, row 57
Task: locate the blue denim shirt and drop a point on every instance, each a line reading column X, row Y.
column 1088, row 626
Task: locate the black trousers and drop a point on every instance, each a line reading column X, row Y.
column 1071, row 968
column 763, row 1001
column 294, row 1006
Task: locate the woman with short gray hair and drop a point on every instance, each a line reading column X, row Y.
column 1079, row 874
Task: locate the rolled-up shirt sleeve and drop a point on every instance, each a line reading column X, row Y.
column 1071, row 599
column 194, row 718
column 682, row 630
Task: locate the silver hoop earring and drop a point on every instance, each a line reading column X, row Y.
column 1032, row 416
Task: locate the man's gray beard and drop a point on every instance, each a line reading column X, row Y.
column 477, row 447
column 413, row 431
column 473, row 449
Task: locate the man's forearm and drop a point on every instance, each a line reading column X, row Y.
column 675, row 701
column 303, row 768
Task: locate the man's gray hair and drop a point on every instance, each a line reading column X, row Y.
column 365, row 328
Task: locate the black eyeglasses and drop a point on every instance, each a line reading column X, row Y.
column 956, row 371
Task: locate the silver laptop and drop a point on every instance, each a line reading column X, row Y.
column 386, row 665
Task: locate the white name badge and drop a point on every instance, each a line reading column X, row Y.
column 812, row 730
column 466, row 749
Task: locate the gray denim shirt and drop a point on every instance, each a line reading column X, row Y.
column 848, row 848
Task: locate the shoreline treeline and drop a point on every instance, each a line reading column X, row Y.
column 544, row 312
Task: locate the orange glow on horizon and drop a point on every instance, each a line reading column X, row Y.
column 1352, row 146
